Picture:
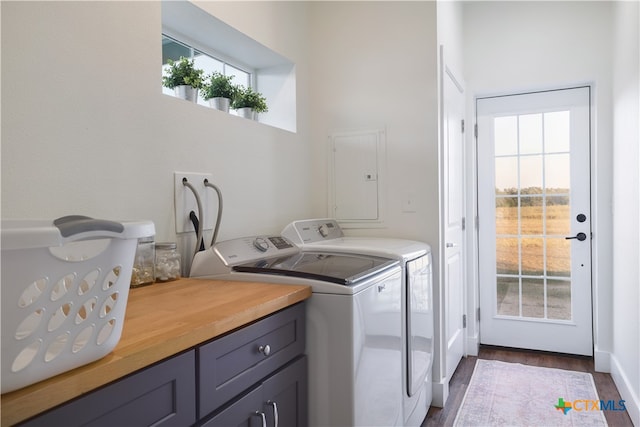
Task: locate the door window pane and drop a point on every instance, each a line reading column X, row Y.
column 557, row 171
column 530, row 133
column 533, row 298
column 506, row 135
column 532, row 256
column 508, row 296
column 559, row 299
column 557, row 131
column 507, row 215
column 506, row 174
column 531, row 171
column 558, row 257
column 531, row 215
column 507, row 256
column 558, row 215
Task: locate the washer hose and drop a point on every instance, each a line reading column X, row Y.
column 219, row 217
column 187, row 184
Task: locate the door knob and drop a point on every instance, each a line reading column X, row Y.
column 580, row 236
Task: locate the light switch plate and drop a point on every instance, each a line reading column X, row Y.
column 409, row 201
column 185, row 201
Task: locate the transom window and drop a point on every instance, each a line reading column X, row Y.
column 173, row 49
column 190, row 31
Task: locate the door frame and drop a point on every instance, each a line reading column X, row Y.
column 601, row 291
column 537, row 332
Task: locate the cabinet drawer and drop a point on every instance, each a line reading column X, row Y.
column 233, row 363
column 281, row 399
column 163, row 394
column 242, row 412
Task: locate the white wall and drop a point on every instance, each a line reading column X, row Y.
column 625, row 354
column 86, row 130
column 374, row 66
column 519, row 46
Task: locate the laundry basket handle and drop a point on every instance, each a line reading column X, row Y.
column 71, row 225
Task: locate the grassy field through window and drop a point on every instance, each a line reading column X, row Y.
column 524, row 235
column 536, row 235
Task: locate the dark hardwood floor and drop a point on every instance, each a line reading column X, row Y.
column 460, row 380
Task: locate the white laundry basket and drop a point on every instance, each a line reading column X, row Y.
column 65, row 285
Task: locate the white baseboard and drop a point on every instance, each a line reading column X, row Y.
column 631, row 400
column 473, row 345
column 602, row 361
column 440, row 393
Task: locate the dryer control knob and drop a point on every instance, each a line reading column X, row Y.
column 261, row 244
column 323, row 230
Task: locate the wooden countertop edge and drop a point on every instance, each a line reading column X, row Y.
column 127, row 357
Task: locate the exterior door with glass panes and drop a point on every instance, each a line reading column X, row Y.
column 535, row 220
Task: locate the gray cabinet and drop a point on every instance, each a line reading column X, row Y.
column 285, row 395
column 255, row 373
column 161, row 395
column 281, row 400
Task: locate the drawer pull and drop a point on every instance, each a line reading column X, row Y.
column 264, row 349
column 275, row 412
column 264, row 418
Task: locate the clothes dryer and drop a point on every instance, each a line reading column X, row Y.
column 417, row 300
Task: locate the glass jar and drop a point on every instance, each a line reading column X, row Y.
column 167, row 262
column 144, row 263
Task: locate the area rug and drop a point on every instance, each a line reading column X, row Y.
column 512, row 394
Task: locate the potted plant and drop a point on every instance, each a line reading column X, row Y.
column 184, row 78
column 248, row 102
column 219, row 91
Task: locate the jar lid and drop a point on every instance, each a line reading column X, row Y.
column 166, row 245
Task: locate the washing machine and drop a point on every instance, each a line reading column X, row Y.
column 417, row 301
column 353, row 322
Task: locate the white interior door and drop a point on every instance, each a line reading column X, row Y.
column 534, row 220
column 453, row 265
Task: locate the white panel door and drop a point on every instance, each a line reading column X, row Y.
column 534, row 220
column 453, row 204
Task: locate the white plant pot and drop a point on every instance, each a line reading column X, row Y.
column 186, row 92
column 246, row 112
column 221, row 104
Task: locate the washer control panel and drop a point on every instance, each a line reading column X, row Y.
column 312, row 230
column 247, row 249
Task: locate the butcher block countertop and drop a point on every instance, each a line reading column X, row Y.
column 161, row 320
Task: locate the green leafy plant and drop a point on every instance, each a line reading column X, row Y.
column 248, row 98
column 218, row 85
column 182, row 72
